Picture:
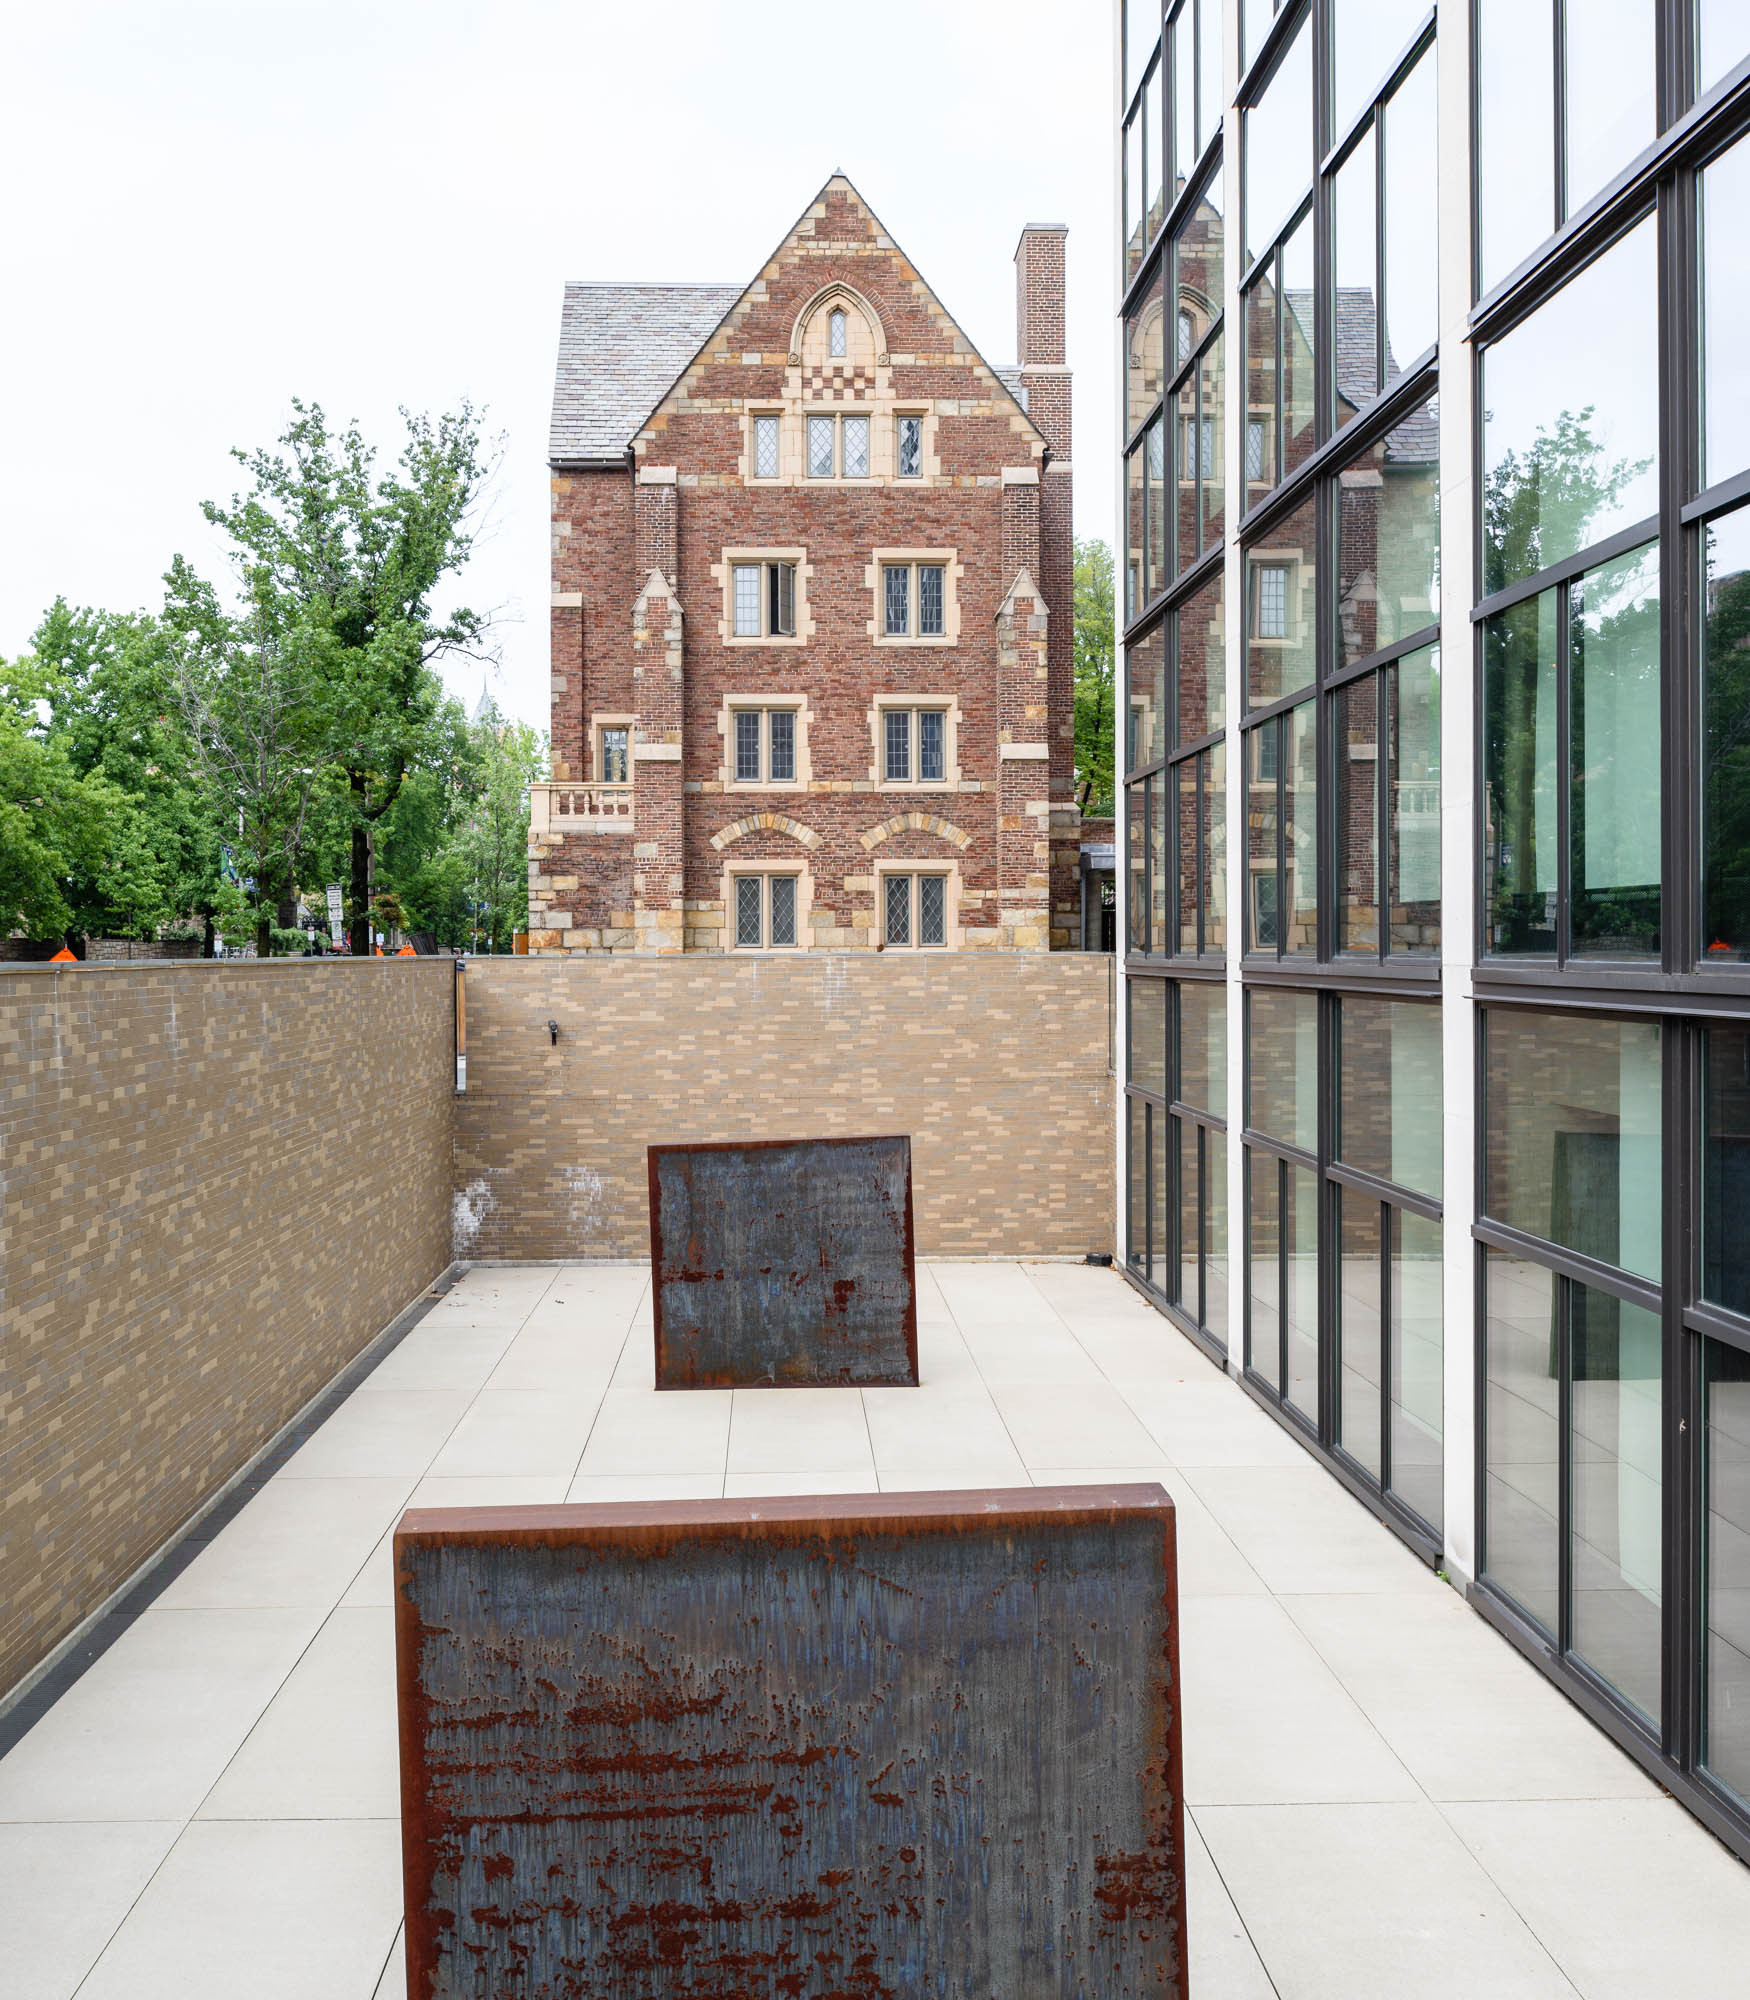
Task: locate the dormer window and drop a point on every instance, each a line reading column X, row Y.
column 835, row 333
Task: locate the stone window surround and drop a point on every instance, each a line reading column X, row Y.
column 953, row 570
column 750, row 698
column 597, row 723
column 797, row 866
column 724, row 571
column 1291, row 561
column 888, row 698
column 883, row 412
column 900, row 864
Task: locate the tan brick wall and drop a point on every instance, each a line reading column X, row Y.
column 218, row 1182
column 995, row 1064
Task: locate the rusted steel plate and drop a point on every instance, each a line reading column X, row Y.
column 867, row 1747
column 783, row 1263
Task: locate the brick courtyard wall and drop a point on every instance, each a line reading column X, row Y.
column 218, row 1183
column 997, row 1065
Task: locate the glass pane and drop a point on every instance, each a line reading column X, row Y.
column 782, row 723
column 1722, row 42
column 1355, row 222
column 1215, row 1285
column 1264, row 916
column 1615, row 807
column 856, row 447
column 1136, row 1185
column 1300, row 830
column 1573, row 1133
column 1726, row 741
column 1134, row 522
column 1282, row 1067
column 784, row 611
column 1279, row 143
column 898, row 735
column 783, row 909
column 1522, row 1466
column 1200, row 662
column 1203, row 1045
column 615, row 766
column 1610, row 59
column 898, row 909
column 1135, row 199
column 896, row 597
column 747, row 746
column 1189, row 1291
column 1160, row 805
column 1571, row 417
column 932, row 909
column 911, row 447
column 835, row 333
column 820, row 447
column 1136, row 806
column 1197, row 252
column 1160, row 1220
column 1726, row 1539
column 1159, row 148
column 1300, row 1255
column 1148, row 1034
column 1359, row 1279
column 1264, row 1268
column 765, row 447
column 1154, row 447
column 1519, row 777
column 1214, row 763
column 1390, row 1102
column 1209, row 85
column 1183, row 550
column 747, row 601
column 1142, row 29
column 1147, row 671
column 932, row 601
column 1186, row 830
column 1261, row 331
column 1617, row 1567
column 1388, row 538
column 1725, row 287
column 1212, row 377
column 1725, row 1168
column 1281, row 635
column 1299, row 351
column 1184, row 86
column 1412, row 230
column 1413, row 803
column 1516, row 144
column 1367, row 37
column 932, row 731
column 1418, row 1367
column 747, row 910
column 1257, row 16
column 1142, row 372
column 1358, row 781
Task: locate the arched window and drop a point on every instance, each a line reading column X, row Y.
column 1187, row 333
column 835, row 332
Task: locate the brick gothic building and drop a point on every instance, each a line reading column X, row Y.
column 811, row 618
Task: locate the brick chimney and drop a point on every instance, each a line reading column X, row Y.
column 1039, row 295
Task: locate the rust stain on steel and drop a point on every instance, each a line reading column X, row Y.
column 784, row 1263
column 868, row 1747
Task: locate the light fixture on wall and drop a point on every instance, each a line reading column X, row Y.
column 553, row 1032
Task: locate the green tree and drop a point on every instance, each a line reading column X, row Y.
column 353, row 560
column 1095, row 646
column 1540, row 504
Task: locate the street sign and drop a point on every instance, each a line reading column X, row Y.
column 336, row 916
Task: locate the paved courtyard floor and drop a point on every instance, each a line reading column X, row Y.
column 1384, row 1799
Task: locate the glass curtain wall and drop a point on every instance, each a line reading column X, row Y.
column 1612, row 275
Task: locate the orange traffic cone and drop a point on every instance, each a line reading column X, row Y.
column 63, row 957
column 407, row 951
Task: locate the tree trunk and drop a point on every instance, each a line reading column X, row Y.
column 208, row 936
column 263, row 932
column 361, row 892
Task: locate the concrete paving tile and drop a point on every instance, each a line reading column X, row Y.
column 562, row 1358
column 953, row 1427
column 1265, row 1720
column 943, row 1355
column 146, row 1730
column 297, row 1541
column 780, row 1485
column 1071, row 1422
column 1209, row 1564
column 1222, row 1960
column 959, row 1478
column 63, row 1891
column 276, row 1910
column 511, row 1431
column 610, row 1486
column 1374, row 1902
column 1466, row 1714
column 1024, row 1351
column 443, row 1357
column 800, row 1430
column 1206, row 1419
column 393, row 1984
column 326, row 1746
column 380, row 1433
column 1303, row 1533
column 677, row 1430
column 1631, row 1897
column 375, row 1582
column 993, row 1295
column 1127, row 1351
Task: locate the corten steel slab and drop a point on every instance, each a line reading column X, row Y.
column 783, row 1263
column 869, row 1747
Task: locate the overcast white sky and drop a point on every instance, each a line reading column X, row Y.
column 209, row 209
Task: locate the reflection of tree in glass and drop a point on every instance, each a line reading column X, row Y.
column 1727, row 799
column 1538, row 506
column 1616, row 735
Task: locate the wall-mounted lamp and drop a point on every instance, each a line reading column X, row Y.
column 553, row 1033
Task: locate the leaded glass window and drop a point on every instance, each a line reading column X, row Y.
column 856, row 447
column 820, row 447
column 932, row 909
column 747, row 746
column 1254, row 449
column 896, row 597
column 898, row 745
column 911, row 447
column 899, row 909
column 931, row 731
column 781, row 723
column 747, row 601
column 783, row 894
column 747, row 910
column 930, row 601
column 835, row 333
column 1272, row 582
column 615, row 759
column 765, row 447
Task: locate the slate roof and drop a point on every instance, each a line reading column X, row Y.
column 621, row 349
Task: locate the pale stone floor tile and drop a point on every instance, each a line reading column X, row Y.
column 1222, row 1963
column 1209, row 1564
column 326, row 1748
column 443, row 1357
column 1304, row 1533
column 1029, row 1351
column 800, row 1430
column 296, row 1541
column 943, row 1356
column 782, row 1485
column 145, row 1731
column 380, row 1433
column 1374, row 1902
column 1125, row 1351
column 1071, row 1423
column 560, row 1358
column 393, row 1984
column 955, row 1427
column 610, row 1486
column 1206, row 1419
column 958, row 1476
column 275, row 1910
column 506, row 1432
column 375, row 1581
column 1631, row 1897
column 63, row 1891
column 647, row 1430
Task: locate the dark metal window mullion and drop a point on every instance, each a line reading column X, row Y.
column 1680, row 638
column 1559, row 123
column 1382, row 276
column 1329, row 1372
column 1385, row 767
column 1280, row 725
column 1683, row 1416
column 1281, row 1383
column 1565, row 1466
column 1388, row 1222
column 1564, row 926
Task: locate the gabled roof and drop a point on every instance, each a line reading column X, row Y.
column 621, row 348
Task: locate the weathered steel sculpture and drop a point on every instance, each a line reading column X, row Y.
column 856, row 1748
column 783, row 1263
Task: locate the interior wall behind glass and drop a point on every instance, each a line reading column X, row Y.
column 1725, row 288
column 1726, row 740
column 1390, row 1091
column 1418, row 1366
column 1726, row 1515
column 1520, row 778
column 1522, row 1440
column 1725, row 1167
column 1282, row 1065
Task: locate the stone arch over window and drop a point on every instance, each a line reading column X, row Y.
column 765, row 822
column 915, row 822
column 865, row 339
